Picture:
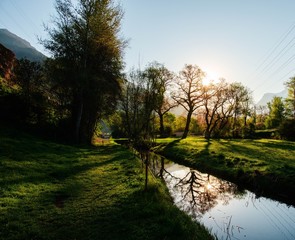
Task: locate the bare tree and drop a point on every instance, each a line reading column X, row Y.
column 217, row 110
column 190, row 92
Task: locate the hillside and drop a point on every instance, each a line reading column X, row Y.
column 267, row 97
column 20, row 47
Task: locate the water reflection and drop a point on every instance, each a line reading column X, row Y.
column 222, row 207
column 197, row 192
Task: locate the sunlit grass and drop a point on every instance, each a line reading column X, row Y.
column 264, row 162
column 54, row 191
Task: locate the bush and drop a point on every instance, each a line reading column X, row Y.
column 268, row 133
column 287, row 129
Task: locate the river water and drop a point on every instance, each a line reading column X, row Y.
column 230, row 213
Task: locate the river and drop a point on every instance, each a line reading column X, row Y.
column 226, row 210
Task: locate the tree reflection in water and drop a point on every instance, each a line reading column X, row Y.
column 194, row 192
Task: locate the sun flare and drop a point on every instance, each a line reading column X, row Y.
column 208, row 186
column 210, row 77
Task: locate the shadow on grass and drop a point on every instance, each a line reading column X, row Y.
column 91, row 198
column 53, row 191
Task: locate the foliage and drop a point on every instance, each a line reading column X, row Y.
column 241, row 100
column 8, row 87
column 276, row 113
column 287, row 129
column 34, row 92
column 54, row 191
column 11, row 105
column 87, row 53
column 164, row 103
column 290, row 100
column 144, row 94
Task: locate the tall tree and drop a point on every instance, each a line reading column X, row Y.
column 87, row 49
column 189, row 93
column 217, row 108
column 290, row 100
column 139, row 100
column 34, row 89
column 276, row 113
column 162, row 78
column 241, row 99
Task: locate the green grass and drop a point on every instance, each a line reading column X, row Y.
column 264, row 165
column 54, row 191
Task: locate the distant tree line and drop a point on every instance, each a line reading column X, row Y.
column 83, row 82
column 215, row 110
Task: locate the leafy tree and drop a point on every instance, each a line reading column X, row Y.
column 162, row 78
column 276, row 113
column 180, row 123
column 287, row 129
column 190, row 92
column 169, row 123
column 290, row 100
column 34, row 90
column 241, row 100
column 140, row 98
column 87, row 51
column 261, row 115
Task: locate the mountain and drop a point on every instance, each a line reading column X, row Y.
column 267, row 97
column 20, row 47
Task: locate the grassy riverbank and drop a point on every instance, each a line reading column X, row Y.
column 265, row 166
column 54, row 191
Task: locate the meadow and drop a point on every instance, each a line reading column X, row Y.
column 265, row 166
column 54, row 191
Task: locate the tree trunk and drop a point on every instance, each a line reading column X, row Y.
column 146, row 170
column 187, row 125
column 78, row 119
column 161, row 116
column 207, row 134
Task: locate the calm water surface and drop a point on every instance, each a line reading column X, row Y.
column 227, row 211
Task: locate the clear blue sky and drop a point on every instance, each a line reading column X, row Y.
column 241, row 40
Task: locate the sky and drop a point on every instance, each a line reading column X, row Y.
column 246, row 41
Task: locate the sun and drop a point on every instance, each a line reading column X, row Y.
column 210, row 77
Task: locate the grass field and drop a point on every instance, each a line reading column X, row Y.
column 54, row 191
column 265, row 166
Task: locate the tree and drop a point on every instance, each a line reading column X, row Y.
column 88, row 57
column 140, row 98
column 241, row 99
column 290, row 100
column 162, row 78
column 261, row 115
column 34, row 89
column 276, row 113
column 216, row 107
column 190, row 92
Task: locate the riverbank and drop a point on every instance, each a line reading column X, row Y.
column 55, row 191
column 264, row 166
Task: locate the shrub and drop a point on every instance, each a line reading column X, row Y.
column 287, row 129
